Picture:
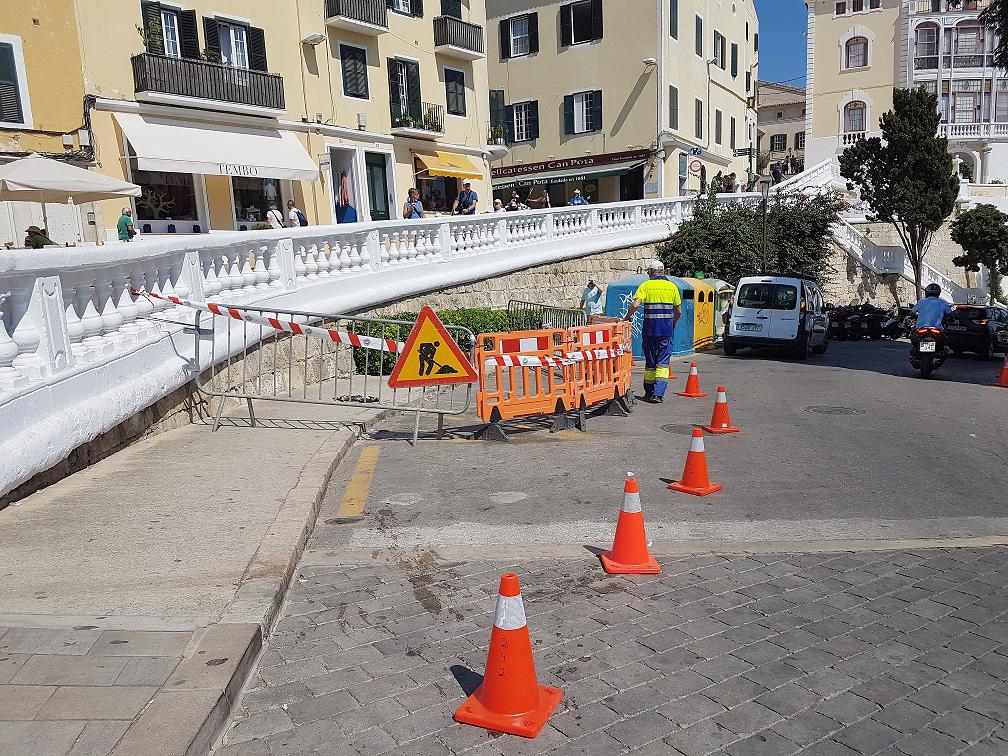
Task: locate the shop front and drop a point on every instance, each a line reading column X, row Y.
column 439, row 177
column 200, row 177
column 612, row 177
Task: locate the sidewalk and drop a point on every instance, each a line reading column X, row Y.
column 136, row 593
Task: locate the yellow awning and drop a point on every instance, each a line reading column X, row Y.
column 450, row 164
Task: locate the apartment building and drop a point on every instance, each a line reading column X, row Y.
column 859, row 50
column 781, row 126
column 219, row 111
column 620, row 99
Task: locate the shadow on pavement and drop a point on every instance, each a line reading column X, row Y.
column 468, row 680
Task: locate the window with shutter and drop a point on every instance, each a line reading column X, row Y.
column 455, row 93
column 734, row 59
column 719, row 50
column 583, row 113
column 153, row 33
column 596, row 114
column 451, row 8
column 11, row 108
column 674, row 18
column 717, row 126
column 698, row 124
column 400, row 6
column 673, row 97
column 533, row 32
column 568, row 114
column 416, row 8
column 170, row 33
column 699, row 36
column 355, row 79
column 525, row 121
column 579, row 20
column 498, row 112
column 731, row 134
column 189, row 36
column 256, row 49
column 519, row 36
column 211, row 38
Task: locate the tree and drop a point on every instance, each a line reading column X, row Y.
column 982, row 232
column 906, row 176
column 996, row 16
column 725, row 239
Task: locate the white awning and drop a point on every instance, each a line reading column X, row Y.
column 161, row 144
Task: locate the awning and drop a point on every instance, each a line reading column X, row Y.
column 161, row 144
column 559, row 177
column 449, row 164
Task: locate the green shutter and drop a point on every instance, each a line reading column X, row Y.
column 11, row 110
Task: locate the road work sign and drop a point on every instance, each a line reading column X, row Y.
column 430, row 357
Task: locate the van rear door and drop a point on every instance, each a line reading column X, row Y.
column 751, row 314
column 785, row 314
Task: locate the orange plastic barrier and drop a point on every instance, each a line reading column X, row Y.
column 601, row 380
column 508, row 391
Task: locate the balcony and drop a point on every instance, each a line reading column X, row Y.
column 183, row 81
column 918, row 7
column 456, row 38
column 852, row 137
column 423, row 120
column 974, row 131
column 368, row 17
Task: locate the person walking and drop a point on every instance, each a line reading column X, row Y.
column 274, row 217
column 465, row 203
column 294, row 216
column 591, row 299
column 736, row 185
column 412, row 208
column 125, row 225
column 662, row 309
column 577, row 199
column 776, row 173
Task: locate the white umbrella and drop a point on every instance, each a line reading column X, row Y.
column 40, row 179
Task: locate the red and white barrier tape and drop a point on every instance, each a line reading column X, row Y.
column 527, row 360
column 326, row 334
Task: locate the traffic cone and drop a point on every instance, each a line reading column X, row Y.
column 1003, row 379
column 510, row 699
column 629, row 554
column 721, row 421
column 692, row 384
column 694, row 478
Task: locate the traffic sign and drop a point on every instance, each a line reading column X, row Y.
column 743, row 152
column 695, row 166
column 430, row 357
column 695, row 152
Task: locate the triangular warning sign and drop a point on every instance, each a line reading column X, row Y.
column 430, row 357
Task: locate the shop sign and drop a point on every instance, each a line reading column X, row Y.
column 574, row 164
column 237, row 169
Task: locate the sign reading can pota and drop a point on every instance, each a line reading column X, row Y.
column 430, row 357
column 574, row 163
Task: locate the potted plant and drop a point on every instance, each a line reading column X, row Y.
column 498, row 134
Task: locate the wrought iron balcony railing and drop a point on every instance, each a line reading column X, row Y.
column 422, row 116
column 461, row 35
column 185, row 77
column 357, row 12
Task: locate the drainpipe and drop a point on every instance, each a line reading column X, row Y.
column 660, row 102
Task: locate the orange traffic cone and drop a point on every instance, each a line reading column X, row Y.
column 694, row 478
column 629, row 554
column 1003, row 379
column 692, row 384
column 510, row 698
column 721, row 421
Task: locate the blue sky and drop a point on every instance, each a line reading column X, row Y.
column 782, row 46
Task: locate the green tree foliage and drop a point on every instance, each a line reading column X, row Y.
column 725, row 239
column 983, row 234
column 996, row 16
column 906, row 176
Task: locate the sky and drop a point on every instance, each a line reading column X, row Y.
column 782, row 44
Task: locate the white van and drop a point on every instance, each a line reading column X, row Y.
column 777, row 311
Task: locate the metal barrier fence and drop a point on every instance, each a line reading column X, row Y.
column 529, row 316
column 242, row 360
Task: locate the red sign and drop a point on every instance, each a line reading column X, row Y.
column 573, row 163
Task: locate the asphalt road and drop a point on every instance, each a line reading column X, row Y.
column 847, row 445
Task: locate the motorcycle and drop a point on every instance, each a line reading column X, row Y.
column 928, row 350
column 866, row 321
column 838, row 321
column 897, row 325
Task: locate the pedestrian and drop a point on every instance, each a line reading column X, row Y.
column 736, row 185
column 465, row 203
column 591, row 299
column 515, row 203
column 125, row 225
column 412, row 208
column 577, row 199
column 541, row 202
column 274, row 216
column 36, row 238
column 717, row 183
column 776, row 173
column 662, row 308
column 498, row 206
column 294, row 216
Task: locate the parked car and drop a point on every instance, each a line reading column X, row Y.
column 977, row 328
column 777, row 311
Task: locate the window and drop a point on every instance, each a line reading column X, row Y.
column 583, row 112
column 799, row 140
column 856, row 52
column 165, row 196
column 404, row 93
column 13, row 89
column 755, row 42
column 840, row 8
column 355, row 78
column 719, row 50
column 170, row 35
column 780, row 114
column 673, row 99
column 854, row 116
column 965, row 108
column 778, row 142
column 717, row 126
column 525, row 121
column 403, row 6
column 748, row 81
column 926, row 40
column 674, row 18
column 581, row 22
column 519, row 36
column 233, row 45
column 767, row 296
column 731, row 134
column 698, row 119
column 699, row 36
column 455, row 92
column 968, row 39
column 734, row 60
column 252, row 198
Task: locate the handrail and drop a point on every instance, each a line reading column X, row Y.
column 204, row 80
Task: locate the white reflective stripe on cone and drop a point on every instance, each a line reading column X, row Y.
column 696, row 445
column 631, row 502
column 722, row 398
column 693, row 370
column 510, row 614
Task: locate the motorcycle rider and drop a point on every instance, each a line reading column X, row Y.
column 931, row 310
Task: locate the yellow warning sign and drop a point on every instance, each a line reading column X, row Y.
column 430, row 356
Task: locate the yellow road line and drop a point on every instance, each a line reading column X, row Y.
column 356, row 494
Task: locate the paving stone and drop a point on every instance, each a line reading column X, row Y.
column 930, row 742
column 702, row 738
column 905, row 716
column 847, row 708
column 21, row 702
column 766, row 743
column 50, row 669
column 99, row 738
column 320, row 707
column 867, row 736
column 305, row 737
column 734, row 691
column 141, row 643
column 691, row 709
column 258, row 726
column 748, row 718
column 597, row 744
column 641, row 728
column 577, row 722
column 788, row 699
column 9, row 665
column 938, row 698
column 36, row 640
column 966, row 725
column 807, row 727
column 637, row 699
column 39, row 738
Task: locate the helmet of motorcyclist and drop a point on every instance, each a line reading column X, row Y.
column 932, row 290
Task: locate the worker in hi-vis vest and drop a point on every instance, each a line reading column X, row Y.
column 662, row 308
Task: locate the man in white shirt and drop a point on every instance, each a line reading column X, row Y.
column 275, row 217
column 591, row 299
column 294, row 215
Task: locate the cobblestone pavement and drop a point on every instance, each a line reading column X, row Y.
column 896, row 652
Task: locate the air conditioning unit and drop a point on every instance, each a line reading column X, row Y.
column 362, row 121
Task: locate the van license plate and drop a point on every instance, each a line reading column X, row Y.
column 957, row 328
column 750, row 326
column 927, row 346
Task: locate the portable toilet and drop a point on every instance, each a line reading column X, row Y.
column 619, row 297
column 704, row 311
column 723, row 293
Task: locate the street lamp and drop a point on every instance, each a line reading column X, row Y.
column 765, row 187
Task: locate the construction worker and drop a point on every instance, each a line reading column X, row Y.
column 662, row 308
